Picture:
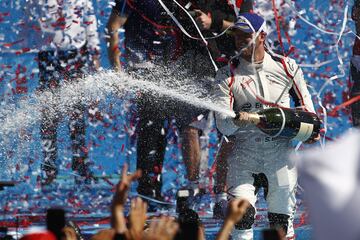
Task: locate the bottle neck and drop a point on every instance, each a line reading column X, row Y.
column 254, row 118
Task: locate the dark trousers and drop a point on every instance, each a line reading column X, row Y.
column 151, row 144
column 153, row 110
column 57, row 66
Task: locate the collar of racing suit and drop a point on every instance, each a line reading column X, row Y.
column 251, row 67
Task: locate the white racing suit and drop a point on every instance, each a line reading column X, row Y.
column 243, row 86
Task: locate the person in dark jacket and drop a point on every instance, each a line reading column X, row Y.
column 151, row 35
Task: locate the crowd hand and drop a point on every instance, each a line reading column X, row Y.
column 241, row 119
column 69, row 234
column 123, row 186
column 120, row 197
column 203, row 19
column 236, row 210
column 104, row 234
column 137, row 219
column 163, row 228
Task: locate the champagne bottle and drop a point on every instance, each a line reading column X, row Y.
column 291, row 123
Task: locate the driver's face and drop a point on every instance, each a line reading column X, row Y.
column 243, row 41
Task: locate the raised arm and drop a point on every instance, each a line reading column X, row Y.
column 118, row 222
column 117, row 19
column 235, row 212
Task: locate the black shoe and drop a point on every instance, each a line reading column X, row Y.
column 83, row 169
column 219, row 210
column 155, row 203
column 88, row 179
column 49, row 175
column 149, row 187
column 80, row 166
column 186, row 198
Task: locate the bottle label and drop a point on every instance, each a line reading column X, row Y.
column 305, row 131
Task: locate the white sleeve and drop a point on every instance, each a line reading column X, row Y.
column 90, row 21
column 224, row 99
column 300, row 87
